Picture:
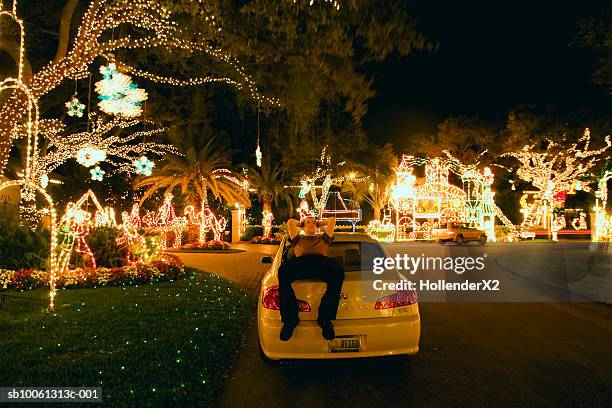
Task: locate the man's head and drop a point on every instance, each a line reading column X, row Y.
column 309, row 225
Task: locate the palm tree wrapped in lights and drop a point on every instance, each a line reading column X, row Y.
column 203, row 165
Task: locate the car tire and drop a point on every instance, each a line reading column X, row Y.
column 441, row 242
column 483, row 239
column 459, row 240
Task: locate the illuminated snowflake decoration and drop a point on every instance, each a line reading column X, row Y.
column 144, row 166
column 118, row 94
column 75, row 108
column 89, row 156
column 97, row 173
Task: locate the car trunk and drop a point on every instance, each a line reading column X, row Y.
column 352, row 304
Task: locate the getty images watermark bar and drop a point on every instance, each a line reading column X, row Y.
column 50, row 394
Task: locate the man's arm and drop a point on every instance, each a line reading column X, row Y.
column 330, row 225
column 293, row 227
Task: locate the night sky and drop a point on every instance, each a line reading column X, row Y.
column 492, row 57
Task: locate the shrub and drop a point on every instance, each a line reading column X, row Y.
column 103, row 243
column 20, row 246
column 251, row 231
column 208, row 245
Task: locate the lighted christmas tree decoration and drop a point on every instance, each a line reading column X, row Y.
column 97, row 173
column 75, row 107
column 144, row 166
column 118, row 94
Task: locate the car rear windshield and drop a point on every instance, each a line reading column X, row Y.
column 355, row 256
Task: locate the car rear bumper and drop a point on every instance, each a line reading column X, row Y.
column 380, row 337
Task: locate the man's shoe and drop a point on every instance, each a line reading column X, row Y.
column 287, row 330
column 327, row 329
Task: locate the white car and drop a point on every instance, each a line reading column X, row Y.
column 386, row 324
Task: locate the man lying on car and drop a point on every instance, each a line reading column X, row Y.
column 310, row 262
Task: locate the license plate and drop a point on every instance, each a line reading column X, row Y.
column 345, row 344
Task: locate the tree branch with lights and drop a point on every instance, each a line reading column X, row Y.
column 157, row 30
column 557, row 169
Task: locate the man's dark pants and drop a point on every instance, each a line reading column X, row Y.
column 317, row 267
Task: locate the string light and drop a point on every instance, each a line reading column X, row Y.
column 382, row 230
column 54, row 266
column 266, row 222
column 437, row 202
column 555, row 170
column 603, row 221
column 165, row 222
column 323, row 172
column 100, row 17
column 206, row 221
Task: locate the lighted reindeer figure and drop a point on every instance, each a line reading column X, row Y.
column 206, row 221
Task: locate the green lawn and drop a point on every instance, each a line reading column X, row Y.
column 165, row 344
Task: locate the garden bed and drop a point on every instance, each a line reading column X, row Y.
column 204, row 251
column 168, row 344
column 211, row 247
column 169, row 267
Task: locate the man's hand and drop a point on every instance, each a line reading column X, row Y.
column 330, row 225
column 293, row 227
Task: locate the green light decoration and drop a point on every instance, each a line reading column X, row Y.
column 144, row 166
column 97, row 173
column 75, row 107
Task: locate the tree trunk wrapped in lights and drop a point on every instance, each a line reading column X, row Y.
column 556, row 170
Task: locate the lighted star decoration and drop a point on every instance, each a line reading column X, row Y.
column 118, row 94
column 89, row 156
column 144, row 166
column 97, row 173
column 75, row 107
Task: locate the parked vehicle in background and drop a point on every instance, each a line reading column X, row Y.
column 459, row 233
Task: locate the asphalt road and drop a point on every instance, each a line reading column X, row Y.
column 545, row 353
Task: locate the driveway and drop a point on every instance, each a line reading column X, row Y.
column 472, row 354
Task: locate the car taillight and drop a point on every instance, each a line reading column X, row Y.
column 401, row 298
column 271, row 300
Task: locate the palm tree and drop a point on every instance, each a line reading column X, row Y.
column 379, row 164
column 204, row 164
column 269, row 186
